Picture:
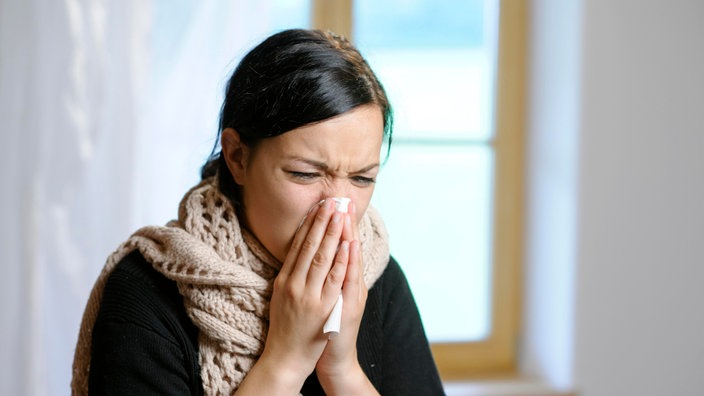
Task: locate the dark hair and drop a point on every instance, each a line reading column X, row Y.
column 293, row 78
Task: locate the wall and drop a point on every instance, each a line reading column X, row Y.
column 635, row 256
column 551, row 180
column 640, row 265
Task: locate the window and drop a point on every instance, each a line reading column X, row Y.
column 451, row 191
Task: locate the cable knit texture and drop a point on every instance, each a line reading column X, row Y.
column 225, row 277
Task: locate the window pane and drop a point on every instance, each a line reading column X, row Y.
column 194, row 49
column 436, row 203
column 291, row 14
column 437, row 61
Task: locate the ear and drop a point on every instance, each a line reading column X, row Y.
column 235, row 153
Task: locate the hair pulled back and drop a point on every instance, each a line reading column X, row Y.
column 293, row 78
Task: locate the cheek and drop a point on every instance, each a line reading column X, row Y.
column 291, row 205
column 273, row 211
column 296, row 208
column 299, row 199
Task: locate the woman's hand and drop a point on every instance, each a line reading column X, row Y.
column 304, row 294
column 338, row 369
column 324, row 260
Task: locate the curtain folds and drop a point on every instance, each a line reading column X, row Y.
column 107, row 109
column 69, row 74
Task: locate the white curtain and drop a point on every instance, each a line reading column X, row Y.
column 107, row 109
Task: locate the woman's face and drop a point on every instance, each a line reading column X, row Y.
column 284, row 176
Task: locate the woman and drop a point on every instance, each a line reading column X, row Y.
column 232, row 296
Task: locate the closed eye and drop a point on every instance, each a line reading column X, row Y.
column 303, row 175
column 363, row 180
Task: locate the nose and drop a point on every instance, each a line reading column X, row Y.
column 338, row 188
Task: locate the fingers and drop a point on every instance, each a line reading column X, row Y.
column 298, row 239
column 320, row 265
column 351, row 233
column 315, row 246
column 336, row 276
column 351, row 230
column 347, row 231
column 352, row 286
column 355, row 221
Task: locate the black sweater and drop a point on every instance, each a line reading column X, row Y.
column 144, row 343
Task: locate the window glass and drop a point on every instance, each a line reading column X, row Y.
column 437, row 203
column 288, row 14
column 436, row 61
column 195, row 47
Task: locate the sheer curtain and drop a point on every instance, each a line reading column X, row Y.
column 107, row 108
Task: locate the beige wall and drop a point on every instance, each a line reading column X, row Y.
column 616, row 176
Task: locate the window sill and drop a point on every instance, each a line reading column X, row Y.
column 503, row 387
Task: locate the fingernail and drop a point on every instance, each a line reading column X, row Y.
column 336, row 217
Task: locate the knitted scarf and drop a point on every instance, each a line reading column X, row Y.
column 225, row 277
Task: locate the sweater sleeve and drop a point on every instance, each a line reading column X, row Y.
column 143, row 342
column 409, row 368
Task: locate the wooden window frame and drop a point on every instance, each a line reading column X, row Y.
column 497, row 354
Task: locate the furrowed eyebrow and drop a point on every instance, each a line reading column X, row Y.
column 316, row 164
column 324, row 167
column 367, row 168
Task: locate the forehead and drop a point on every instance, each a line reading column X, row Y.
column 350, row 137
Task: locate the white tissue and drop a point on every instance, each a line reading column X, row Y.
column 332, row 325
column 341, row 204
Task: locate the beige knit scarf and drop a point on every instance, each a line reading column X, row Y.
column 225, row 277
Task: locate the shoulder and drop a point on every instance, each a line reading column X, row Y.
column 137, row 294
column 133, row 272
column 391, row 298
column 392, row 282
column 142, row 340
column 394, row 272
column 397, row 355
